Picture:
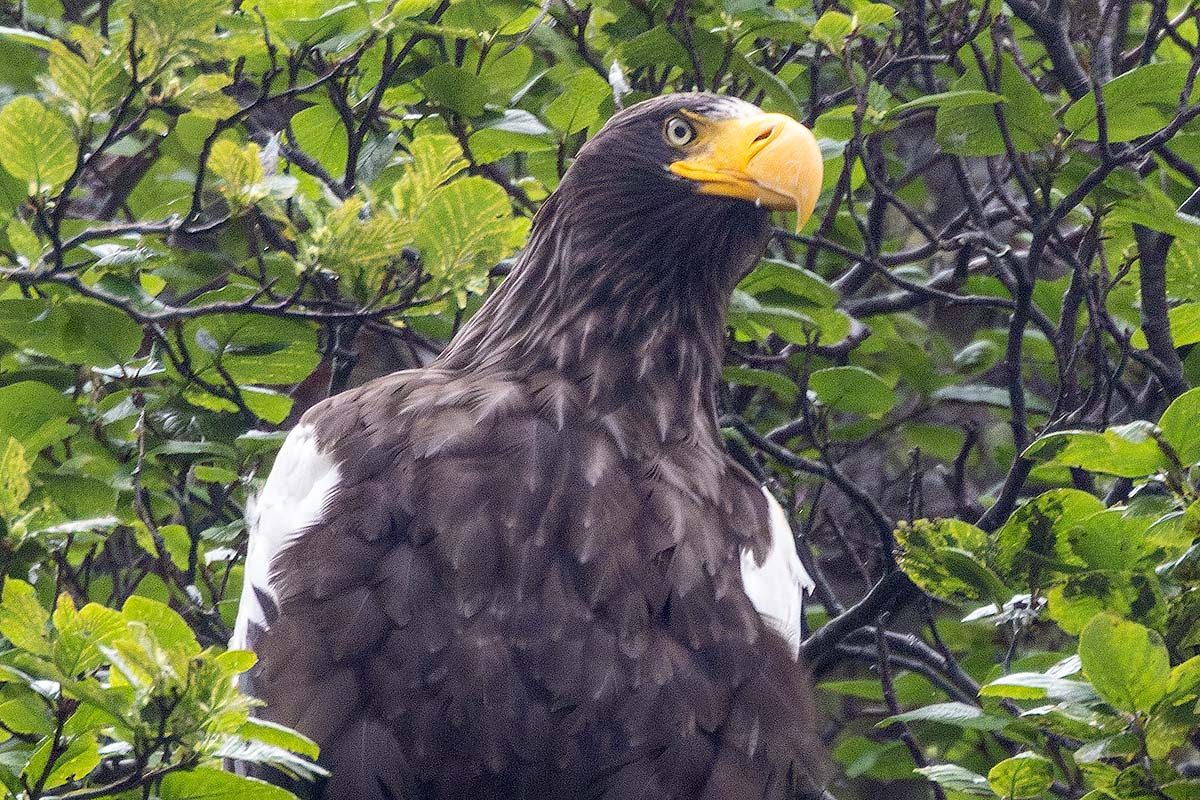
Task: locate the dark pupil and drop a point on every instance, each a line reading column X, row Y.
column 679, row 132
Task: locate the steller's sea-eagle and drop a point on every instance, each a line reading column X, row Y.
column 530, row 569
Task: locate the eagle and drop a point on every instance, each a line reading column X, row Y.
column 530, row 570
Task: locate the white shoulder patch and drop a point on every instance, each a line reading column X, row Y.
column 777, row 586
column 292, row 500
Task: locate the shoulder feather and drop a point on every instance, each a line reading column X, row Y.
column 776, row 585
column 293, row 499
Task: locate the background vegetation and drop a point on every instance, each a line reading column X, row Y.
column 970, row 370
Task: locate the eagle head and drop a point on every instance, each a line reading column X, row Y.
column 681, row 150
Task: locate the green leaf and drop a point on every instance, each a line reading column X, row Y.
column 1038, row 686
column 973, row 130
column 264, row 403
column 514, row 131
column 881, row 761
column 783, row 387
column 1027, row 545
column 957, row 779
column 777, row 95
column 14, row 478
column 1137, row 103
column 23, row 240
column 979, row 356
column 23, row 36
column 205, row 783
column 1183, row 268
column 1126, row 662
column 252, row 348
column 836, row 124
column 1023, row 775
column 1180, row 790
column 211, row 474
column 321, row 134
column 92, row 84
column 773, row 275
column 852, row 389
column 958, row 715
column 359, row 247
column 250, row 751
column 1077, row 600
column 455, row 88
column 578, row 106
column 960, row 98
column 1128, row 451
column 267, row 404
column 507, row 71
column 80, row 756
column 235, row 662
column 1175, row 530
column 174, row 537
column 34, row 414
column 81, row 634
column 1184, row 684
column 797, row 323
column 36, row 145
column 434, row 159
column 978, row 394
column 1122, row 744
column 1109, row 540
column 490, row 16
column 26, row 712
column 832, row 29
column 1168, row 729
column 964, row 567
column 945, row 558
column 1185, row 327
column 75, row 331
column 168, row 628
column 22, row 618
column 872, row 14
column 240, row 173
column 177, row 447
column 204, row 97
column 261, row 730
column 1180, row 425
column 134, row 666
column 1150, row 206
column 311, row 21
column 98, row 334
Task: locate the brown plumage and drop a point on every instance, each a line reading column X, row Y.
column 525, row 583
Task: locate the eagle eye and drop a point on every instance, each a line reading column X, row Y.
column 678, row 131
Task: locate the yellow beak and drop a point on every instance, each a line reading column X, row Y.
column 768, row 159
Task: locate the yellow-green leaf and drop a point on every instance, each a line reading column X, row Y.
column 22, row 618
column 36, row 145
column 1126, row 662
column 464, row 229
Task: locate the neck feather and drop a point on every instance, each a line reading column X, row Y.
column 623, row 304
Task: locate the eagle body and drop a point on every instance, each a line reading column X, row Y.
column 530, row 570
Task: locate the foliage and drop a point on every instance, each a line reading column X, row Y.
column 974, row 363
column 1120, row 578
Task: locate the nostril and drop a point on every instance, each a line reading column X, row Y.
column 765, row 133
